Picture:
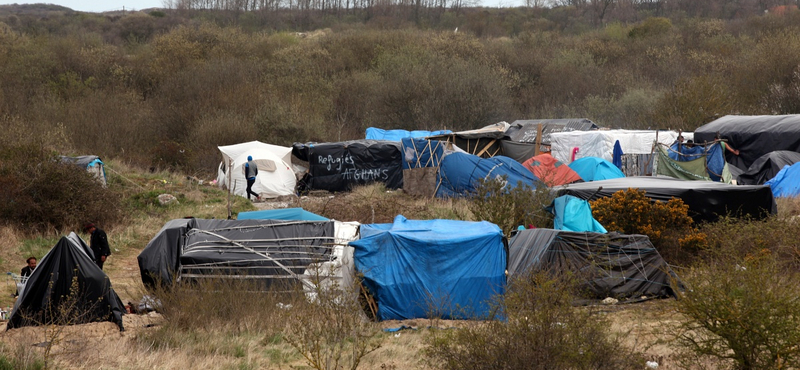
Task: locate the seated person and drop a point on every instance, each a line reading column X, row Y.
column 26, row 272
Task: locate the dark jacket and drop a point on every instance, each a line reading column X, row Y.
column 26, row 271
column 99, row 243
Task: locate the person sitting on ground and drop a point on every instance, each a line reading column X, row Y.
column 27, row 270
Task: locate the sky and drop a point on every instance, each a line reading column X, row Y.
column 99, row 6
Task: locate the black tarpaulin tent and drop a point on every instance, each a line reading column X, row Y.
column 707, row 200
column 67, row 287
column 753, row 136
column 340, row 166
column 267, row 251
column 611, row 265
column 767, row 167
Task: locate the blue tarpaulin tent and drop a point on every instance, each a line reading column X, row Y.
column 281, row 214
column 415, row 269
column 460, row 172
column 786, row 184
column 595, row 169
column 397, row 135
column 574, row 214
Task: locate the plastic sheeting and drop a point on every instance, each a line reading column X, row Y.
column 707, row 200
column 551, row 171
column 574, row 214
column 50, row 287
column 786, row 184
column 753, row 136
column 159, row 261
column 281, row 214
column 595, row 169
column 374, row 133
column 600, row 143
column 767, row 167
column 460, row 172
column 611, row 265
column 91, row 163
column 340, row 166
column 433, row 268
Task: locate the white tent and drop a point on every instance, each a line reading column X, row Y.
column 275, row 174
column 600, row 143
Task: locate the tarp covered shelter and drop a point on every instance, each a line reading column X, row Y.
column 275, row 174
column 433, row 268
column 374, row 133
column 90, row 163
column 281, row 214
column 693, row 162
column 574, row 214
column 343, row 165
column 421, row 161
column 767, row 167
column 595, row 169
column 459, row 173
column 786, row 184
column 267, row 251
column 753, row 136
column 483, row 142
column 611, row 265
column 67, row 287
column 550, row 170
column 707, row 200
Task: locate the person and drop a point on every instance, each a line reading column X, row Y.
column 690, row 143
column 99, row 244
column 28, row 270
column 726, row 146
column 250, row 173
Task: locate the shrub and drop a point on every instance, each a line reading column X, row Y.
column 667, row 224
column 542, row 330
column 741, row 238
column 509, row 207
column 741, row 313
column 651, row 27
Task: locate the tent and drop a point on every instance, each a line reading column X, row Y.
column 397, row 135
column 707, row 200
column 460, row 172
column 753, row 136
column 767, row 167
column 267, row 251
column 786, row 184
column 432, row 268
column 595, row 169
column 340, row 166
column 275, row 175
column 611, row 265
column 693, row 162
column 574, row 214
column 91, row 163
column 67, row 287
column 551, row 171
column 281, row 214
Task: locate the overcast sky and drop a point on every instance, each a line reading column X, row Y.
column 98, row 6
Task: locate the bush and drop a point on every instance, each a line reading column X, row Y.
column 667, row 224
column 509, row 207
column 542, row 330
column 40, row 193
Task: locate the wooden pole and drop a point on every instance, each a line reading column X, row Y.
column 538, row 139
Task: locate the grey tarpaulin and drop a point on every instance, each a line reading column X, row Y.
column 159, row 261
column 767, row 167
column 611, row 265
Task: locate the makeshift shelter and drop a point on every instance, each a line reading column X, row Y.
column 275, row 175
column 692, row 162
column 432, row 268
column 551, row 171
column 397, row 135
column 595, row 169
column 637, row 146
column 459, row 173
column 707, row 200
column 574, row 214
column 767, row 167
column 483, row 142
column 267, row 251
column 287, row 214
column 90, row 163
column 753, row 136
column 421, row 161
column 786, row 184
column 67, row 288
column 340, row 166
column 610, row 265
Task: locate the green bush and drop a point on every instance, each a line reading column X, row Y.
column 651, row 27
column 507, row 207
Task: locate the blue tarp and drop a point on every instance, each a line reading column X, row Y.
column 786, row 184
column 595, row 169
column 617, row 155
column 397, row 135
column 419, row 153
column 460, row 172
column 715, row 157
column 574, row 214
column 446, row 268
column 291, row 214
